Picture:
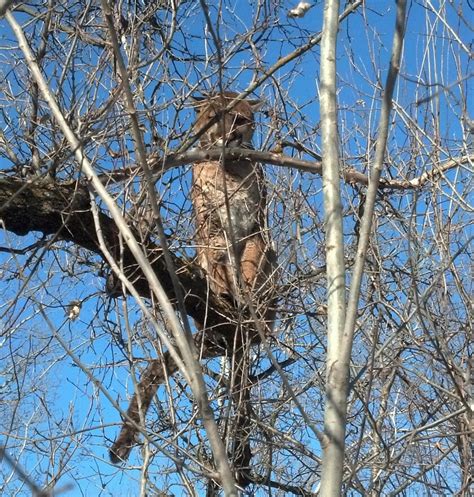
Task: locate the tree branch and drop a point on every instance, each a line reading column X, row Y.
column 160, row 164
column 64, row 211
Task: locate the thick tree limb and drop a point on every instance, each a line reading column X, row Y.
column 64, row 211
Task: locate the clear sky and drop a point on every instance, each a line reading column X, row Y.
column 75, row 405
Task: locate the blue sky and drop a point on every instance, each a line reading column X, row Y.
column 364, row 51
